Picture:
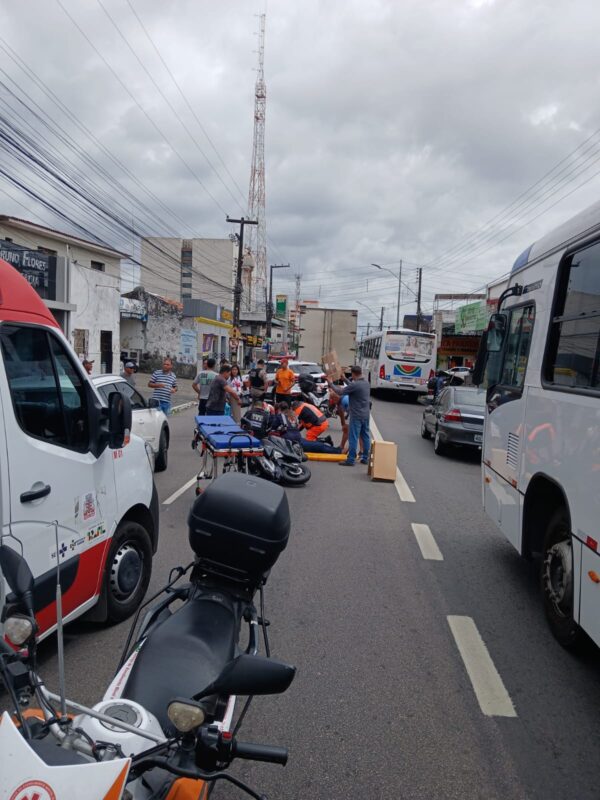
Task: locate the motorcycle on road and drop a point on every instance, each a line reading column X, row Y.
column 166, row 727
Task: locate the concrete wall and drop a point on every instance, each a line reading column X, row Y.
column 96, row 296
column 327, row 329
column 160, row 272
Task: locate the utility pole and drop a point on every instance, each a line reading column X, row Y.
column 381, row 319
column 270, row 303
column 237, row 291
column 420, row 276
column 399, row 291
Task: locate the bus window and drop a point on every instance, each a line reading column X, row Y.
column 517, row 346
column 574, row 350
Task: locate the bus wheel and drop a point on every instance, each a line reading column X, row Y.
column 557, row 581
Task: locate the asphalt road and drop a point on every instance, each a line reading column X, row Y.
column 383, row 706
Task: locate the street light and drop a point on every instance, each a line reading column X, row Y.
column 399, row 276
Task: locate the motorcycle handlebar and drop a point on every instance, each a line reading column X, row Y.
column 260, row 752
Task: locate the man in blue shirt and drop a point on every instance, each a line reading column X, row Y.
column 164, row 383
column 358, row 393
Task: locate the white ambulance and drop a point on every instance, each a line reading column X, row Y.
column 73, row 485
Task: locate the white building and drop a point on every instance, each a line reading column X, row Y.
column 79, row 281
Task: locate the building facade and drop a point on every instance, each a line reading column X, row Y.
column 79, row 281
column 180, row 269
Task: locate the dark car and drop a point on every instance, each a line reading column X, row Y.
column 455, row 418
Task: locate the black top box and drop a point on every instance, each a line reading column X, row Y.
column 238, row 527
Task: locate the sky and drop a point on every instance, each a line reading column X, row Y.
column 446, row 134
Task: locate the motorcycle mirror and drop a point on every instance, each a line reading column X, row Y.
column 17, row 573
column 249, row 675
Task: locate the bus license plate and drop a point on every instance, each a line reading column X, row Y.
column 478, row 438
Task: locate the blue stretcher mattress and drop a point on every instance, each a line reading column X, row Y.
column 223, row 433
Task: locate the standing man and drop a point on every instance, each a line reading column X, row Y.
column 88, row 365
column 219, row 390
column 258, row 379
column 164, row 383
column 128, row 373
column 358, row 393
column 284, row 380
column 202, row 382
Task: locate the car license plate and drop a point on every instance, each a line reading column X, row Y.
column 478, row 438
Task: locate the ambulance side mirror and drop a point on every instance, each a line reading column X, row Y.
column 119, row 420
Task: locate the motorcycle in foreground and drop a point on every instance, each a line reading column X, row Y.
column 165, row 728
column 282, row 462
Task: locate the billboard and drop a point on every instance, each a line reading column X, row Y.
column 281, row 305
column 187, row 346
column 472, row 318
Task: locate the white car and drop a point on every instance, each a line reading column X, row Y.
column 149, row 421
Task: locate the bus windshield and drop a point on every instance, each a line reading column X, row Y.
column 409, row 347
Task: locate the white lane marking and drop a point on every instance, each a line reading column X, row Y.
column 400, row 483
column 426, row 542
column 179, row 492
column 491, row 693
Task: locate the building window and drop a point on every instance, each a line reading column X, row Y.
column 186, row 285
column 98, row 265
column 186, row 294
column 47, row 251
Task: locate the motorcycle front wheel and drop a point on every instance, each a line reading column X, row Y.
column 294, row 474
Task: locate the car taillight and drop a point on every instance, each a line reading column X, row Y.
column 382, row 372
column 452, row 416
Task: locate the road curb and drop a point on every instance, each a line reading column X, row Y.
column 182, row 407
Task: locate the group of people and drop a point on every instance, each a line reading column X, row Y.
column 288, row 417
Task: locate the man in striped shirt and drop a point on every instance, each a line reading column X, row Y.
column 164, row 383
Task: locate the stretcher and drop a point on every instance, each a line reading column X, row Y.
column 219, row 439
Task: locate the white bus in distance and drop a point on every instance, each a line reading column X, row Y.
column 401, row 359
column 541, row 448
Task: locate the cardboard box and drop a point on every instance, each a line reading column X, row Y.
column 332, row 367
column 382, row 461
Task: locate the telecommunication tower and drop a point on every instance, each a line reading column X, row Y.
column 256, row 195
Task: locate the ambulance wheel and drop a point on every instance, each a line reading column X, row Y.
column 557, row 581
column 128, row 570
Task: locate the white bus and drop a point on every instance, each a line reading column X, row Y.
column 541, row 449
column 399, row 359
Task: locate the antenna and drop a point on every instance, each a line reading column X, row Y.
column 59, row 631
column 256, row 194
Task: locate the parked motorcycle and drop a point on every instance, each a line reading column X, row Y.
column 164, row 728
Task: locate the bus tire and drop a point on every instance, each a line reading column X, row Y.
column 556, row 577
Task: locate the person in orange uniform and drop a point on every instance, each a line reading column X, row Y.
column 284, row 380
column 311, row 420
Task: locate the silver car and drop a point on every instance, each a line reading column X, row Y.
column 455, row 418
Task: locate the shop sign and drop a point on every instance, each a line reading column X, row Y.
column 281, row 305
column 226, row 315
column 133, row 309
column 471, row 318
column 33, row 265
column 252, row 341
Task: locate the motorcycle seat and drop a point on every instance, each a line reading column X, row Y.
column 184, row 654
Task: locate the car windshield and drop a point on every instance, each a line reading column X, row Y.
column 466, row 397
column 305, row 369
column 408, row 347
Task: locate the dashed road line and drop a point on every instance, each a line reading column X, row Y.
column 400, row 483
column 179, row 492
column 489, row 688
column 426, row 542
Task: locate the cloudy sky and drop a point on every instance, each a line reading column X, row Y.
column 446, row 133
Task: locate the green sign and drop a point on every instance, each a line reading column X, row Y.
column 281, row 305
column 471, row 318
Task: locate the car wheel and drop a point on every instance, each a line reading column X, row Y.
column 557, row 581
column 424, row 432
column 439, row 448
column 162, row 457
column 128, row 570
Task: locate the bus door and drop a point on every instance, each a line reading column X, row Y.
column 504, row 433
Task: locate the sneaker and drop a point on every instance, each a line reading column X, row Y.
column 328, row 440
column 366, row 463
column 346, row 463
